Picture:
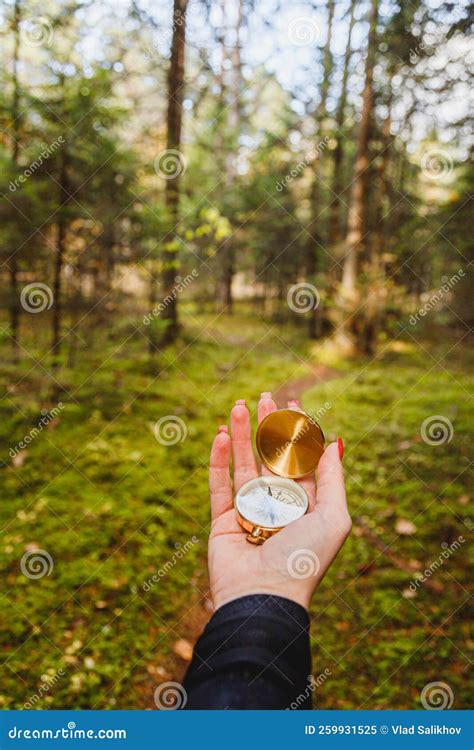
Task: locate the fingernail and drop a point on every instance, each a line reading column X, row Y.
column 266, row 394
column 293, row 402
column 340, row 446
column 223, row 428
column 240, row 402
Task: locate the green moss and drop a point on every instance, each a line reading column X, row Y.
column 112, row 505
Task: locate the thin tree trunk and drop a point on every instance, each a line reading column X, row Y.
column 63, row 198
column 228, row 247
column 358, row 201
column 172, row 190
column 15, row 113
column 338, row 153
column 311, row 265
column 380, row 233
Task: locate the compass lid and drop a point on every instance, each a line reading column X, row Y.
column 290, row 443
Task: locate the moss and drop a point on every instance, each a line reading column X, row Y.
column 112, row 505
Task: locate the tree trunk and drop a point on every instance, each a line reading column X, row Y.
column 15, row 114
column 228, row 247
column 59, row 259
column 314, row 232
column 338, row 153
column 356, row 222
column 172, row 190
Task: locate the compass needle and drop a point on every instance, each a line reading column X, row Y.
column 269, row 503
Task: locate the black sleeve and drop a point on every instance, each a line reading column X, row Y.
column 254, row 653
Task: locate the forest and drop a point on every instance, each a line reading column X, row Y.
column 201, row 200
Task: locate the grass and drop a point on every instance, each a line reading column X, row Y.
column 113, row 507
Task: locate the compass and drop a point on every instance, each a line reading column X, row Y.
column 267, row 504
column 290, row 443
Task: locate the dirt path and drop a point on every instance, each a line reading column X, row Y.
column 199, row 615
column 295, row 388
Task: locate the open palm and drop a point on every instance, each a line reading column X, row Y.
column 292, row 562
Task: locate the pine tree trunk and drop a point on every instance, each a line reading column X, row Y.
column 59, row 259
column 228, row 247
column 15, row 114
column 314, row 231
column 358, row 201
column 172, row 190
column 338, row 153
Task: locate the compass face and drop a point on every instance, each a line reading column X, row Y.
column 272, row 502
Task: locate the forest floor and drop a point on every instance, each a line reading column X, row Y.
column 113, row 506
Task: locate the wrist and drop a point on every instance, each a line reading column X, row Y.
column 224, row 597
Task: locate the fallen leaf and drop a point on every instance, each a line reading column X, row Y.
column 463, row 500
column 183, row 649
column 405, row 527
column 19, row 459
column 404, row 445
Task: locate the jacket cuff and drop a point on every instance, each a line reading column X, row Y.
column 267, row 635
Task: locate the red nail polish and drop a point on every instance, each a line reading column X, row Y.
column 340, row 446
column 223, row 428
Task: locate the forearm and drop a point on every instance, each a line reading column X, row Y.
column 253, row 654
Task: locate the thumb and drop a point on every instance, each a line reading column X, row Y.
column 331, row 492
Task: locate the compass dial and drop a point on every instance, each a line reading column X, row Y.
column 271, row 502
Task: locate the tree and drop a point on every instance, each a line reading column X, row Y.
column 358, row 206
column 316, row 207
column 335, row 219
column 173, row 144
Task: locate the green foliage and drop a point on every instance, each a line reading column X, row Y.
column 110, row 503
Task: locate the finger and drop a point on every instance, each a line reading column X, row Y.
column 331, row 490
column 330, row 510
column 266, row 406
column 219, row 475
column 245, row 467
column 309, row 482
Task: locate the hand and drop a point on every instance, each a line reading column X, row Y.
column 292, row 562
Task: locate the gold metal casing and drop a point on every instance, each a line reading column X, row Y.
column 257, row 534
column 290, row 443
